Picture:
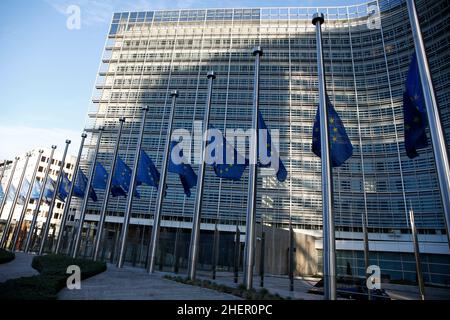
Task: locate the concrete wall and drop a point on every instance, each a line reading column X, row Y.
column 276, row 253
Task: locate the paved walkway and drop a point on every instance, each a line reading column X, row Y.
column 19, row 267
column 136, row 284
column 280, row 285
column 403, row 292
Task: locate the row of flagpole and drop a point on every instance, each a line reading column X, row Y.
column 27, row 200
column 69, row 196
column 439, row 148
column 53, row 201
column 103, row 210
column 329, row 258
column 15, row 200
column 79, row 229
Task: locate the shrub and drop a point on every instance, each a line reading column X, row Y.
column 52, row 278
column 6, row 256
column 240, row 291
column 31, row 288
column 56, row 265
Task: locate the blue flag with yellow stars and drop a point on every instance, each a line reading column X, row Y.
column 80, row 187
column 100, row 177
column 121, row 180
column 341, row 147
column 35, row 193
column 36, row 190
column 266, row 139
column 23, row 191
column 64, row 187
column 147, row 172
column 414, row 112
column 187, row 175
column 49, row 189
column 12, row 192
column 233, row 163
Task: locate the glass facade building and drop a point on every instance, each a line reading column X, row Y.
column 367, row 50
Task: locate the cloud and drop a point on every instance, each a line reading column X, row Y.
column 93, row 12
column 16, row 140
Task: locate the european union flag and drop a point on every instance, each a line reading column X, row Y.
column 187, row 175
column 48, row 192
column 34, row 191
column 340, row 146
column 64, row 187
column 23, row 191
column 147, row 171
column 49, row 189
column 100, row 177
column 25, row 187
column 37, row 188
column 11, row 193
column 266, row 139
column 414, row 112
column 233, row 164
column 80, row 187
column 121, row 180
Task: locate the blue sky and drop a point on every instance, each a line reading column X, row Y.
column 48, row 71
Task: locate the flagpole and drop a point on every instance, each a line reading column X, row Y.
column 161, row 189
column 102, row 218
column 417, row 255
column 437, row 133
column 291, row 255
column 366, row 249
column 27, row 201
column 252, row 180
column 77, row 243
column 69, row 196
column 53, row 201
column 215, row 255
column 38, row 203
column 14, row 203
column 8, row 186
column 262, row 257
column 237, row 246
column 127, row 217
column 176, row 250
column 329, row 255
column 195, row 235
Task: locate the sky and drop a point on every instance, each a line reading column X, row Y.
column 47, row 71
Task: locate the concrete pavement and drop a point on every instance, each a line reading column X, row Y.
column 19, row 267
column 136, row 284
